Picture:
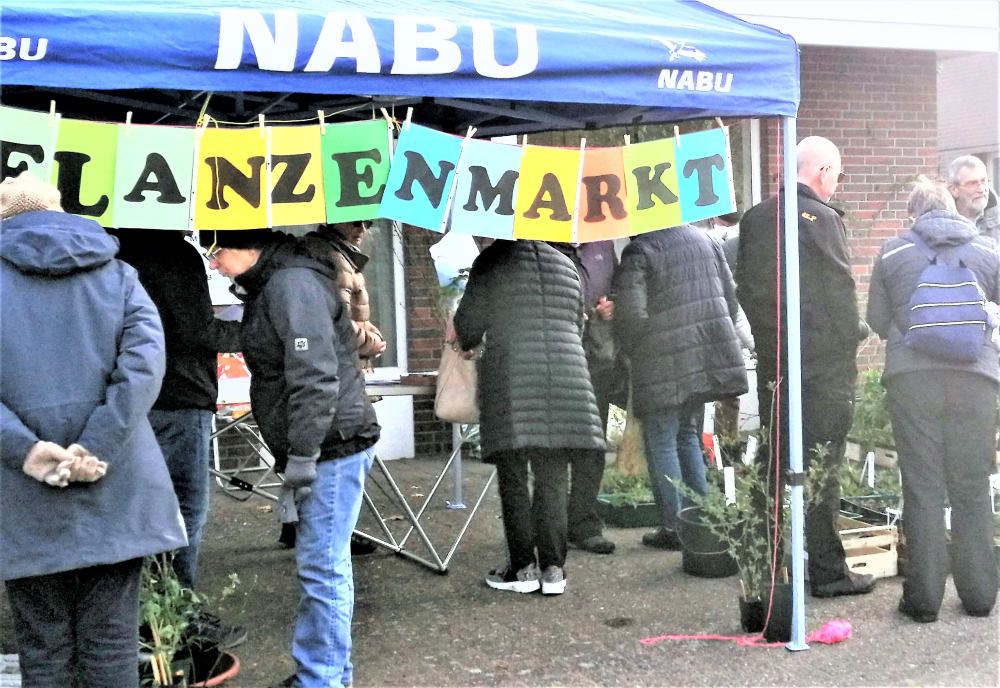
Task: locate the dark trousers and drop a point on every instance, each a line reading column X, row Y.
column 943, row 423
column 586, row 472
column 826, row 418
column 78, row 629
column 536, row 519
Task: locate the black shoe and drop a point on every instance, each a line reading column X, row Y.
column 661, row 538
column 978, row 612
column 907, row 609
column 851, row 584
column 595, row 544
column 361, row 546
column 209, row 627
column 287, row 538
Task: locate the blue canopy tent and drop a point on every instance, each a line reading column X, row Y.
column 504, row 67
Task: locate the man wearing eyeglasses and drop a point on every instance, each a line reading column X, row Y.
column 974, row 198
column 831, row 329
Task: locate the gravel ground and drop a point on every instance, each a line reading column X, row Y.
column 415, row 627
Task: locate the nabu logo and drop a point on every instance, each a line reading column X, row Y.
column 691, row 79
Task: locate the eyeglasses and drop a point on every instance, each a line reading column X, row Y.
column 840, row 175
column 213, row 252
column 974, row 183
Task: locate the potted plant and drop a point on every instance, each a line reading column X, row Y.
column 175, row 654
column 626, row 496
column 876, row 500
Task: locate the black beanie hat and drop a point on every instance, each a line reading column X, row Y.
column 237, row 238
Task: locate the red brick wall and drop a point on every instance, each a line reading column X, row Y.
column 880, row 108
column 424, row 328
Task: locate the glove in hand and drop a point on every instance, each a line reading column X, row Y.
column 48, row 463
column 300, row 472
column 86, row 468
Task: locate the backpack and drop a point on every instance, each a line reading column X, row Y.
column 947, row 310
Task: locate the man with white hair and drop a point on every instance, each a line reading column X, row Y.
column 974, row 199
column 831, row 330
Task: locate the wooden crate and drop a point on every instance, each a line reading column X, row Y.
column 869, row 549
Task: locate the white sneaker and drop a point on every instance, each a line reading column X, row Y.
column 525, row 580
column 553, row 581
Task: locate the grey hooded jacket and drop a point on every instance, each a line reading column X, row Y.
column 895, row 276
column 81, row 359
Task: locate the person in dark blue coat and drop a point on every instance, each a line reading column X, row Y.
column 943, row 415
column 81, row 359
column 675, row 306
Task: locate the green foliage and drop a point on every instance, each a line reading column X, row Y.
column 618, row 489
column 742, row 526
column 166, row 608
column 167, row 611
column 747, row 526
column 872, row 426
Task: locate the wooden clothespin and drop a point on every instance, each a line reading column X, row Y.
column 628, row 139
column 524, row 140
column 260, row 124
column 322, row 121
column 409, row 116
column 128, row 123
column 718, row 120
column 469, row 134
column 677, row 136
column 53, row 117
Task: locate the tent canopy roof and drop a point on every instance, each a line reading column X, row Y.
column 517, row 65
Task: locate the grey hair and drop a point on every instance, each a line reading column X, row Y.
column 960, row 163
column 928, row 195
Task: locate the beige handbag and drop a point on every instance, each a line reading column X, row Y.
column 455, row 399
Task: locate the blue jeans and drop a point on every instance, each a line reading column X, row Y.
column 673, row 450
column 183, row 436
column 321, row 642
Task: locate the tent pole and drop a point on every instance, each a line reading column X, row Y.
column 794, row 373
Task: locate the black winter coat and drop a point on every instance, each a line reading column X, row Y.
column 173, row 273
column 829, row 318
column 674, row 308
column 524, row 300
column 306, row 389
column 895, row 277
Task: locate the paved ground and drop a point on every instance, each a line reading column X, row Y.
column 414, row 627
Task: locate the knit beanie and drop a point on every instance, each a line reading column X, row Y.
column 24, row 193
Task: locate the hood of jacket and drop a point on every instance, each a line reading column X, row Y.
column 351, row 252
column 286, row 253
column 50, row 242
column 940, row 229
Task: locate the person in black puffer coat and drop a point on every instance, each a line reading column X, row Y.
column 675, row 303
column 524, row 303
column 943, row 414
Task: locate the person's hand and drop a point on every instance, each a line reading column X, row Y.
column 300, row 473
column 48, row 463
column 86, row 468
column 605, row 308
column 378, row 348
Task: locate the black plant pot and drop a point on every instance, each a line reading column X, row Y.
column 703, row 553
column 753, row 614
column 646, row 515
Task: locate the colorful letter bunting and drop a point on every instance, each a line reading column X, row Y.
column 126, row 175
